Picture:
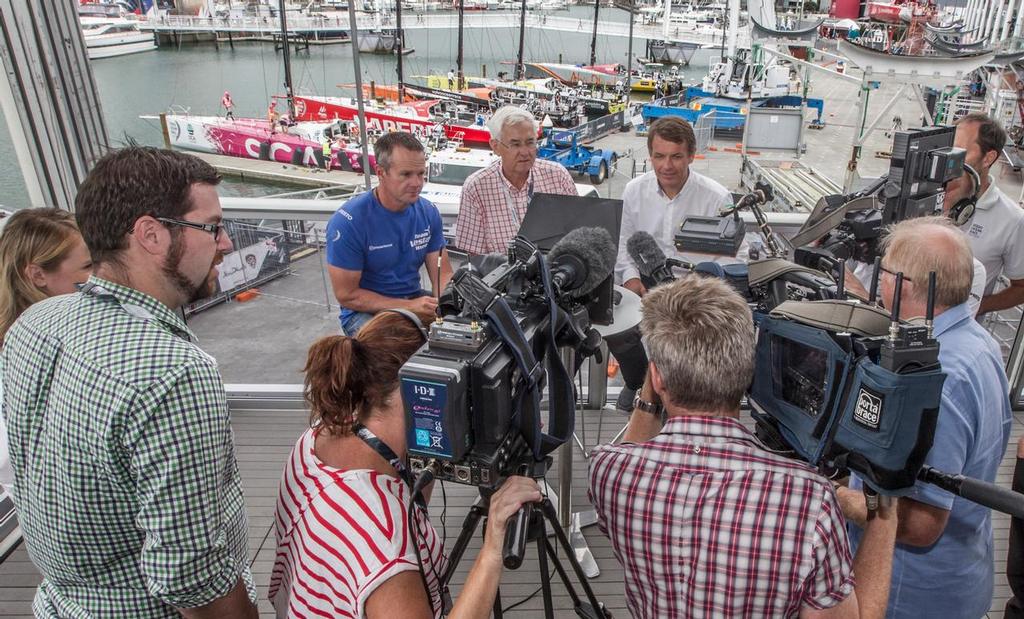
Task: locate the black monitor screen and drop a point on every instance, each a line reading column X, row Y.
column 799, row 372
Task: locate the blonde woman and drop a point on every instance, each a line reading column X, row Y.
column 42, row 255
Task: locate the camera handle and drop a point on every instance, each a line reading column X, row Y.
column 516, row 533
column 981, row 492
column 517, row 528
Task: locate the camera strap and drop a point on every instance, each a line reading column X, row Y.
column 561, row 400
column 382, row 449
column 526, row 406
column 561, row 394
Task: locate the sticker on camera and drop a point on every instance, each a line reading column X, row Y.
column 868, row 410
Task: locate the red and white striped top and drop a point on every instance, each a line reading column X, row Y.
column 341, row 534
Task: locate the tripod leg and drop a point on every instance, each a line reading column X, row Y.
column 563, row 541
column 496, row 609
column 545, row 582
column 561, row 572
column 476, row 512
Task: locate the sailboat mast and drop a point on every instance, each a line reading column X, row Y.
column 725, row 20
column 460, row 59
column 288, row 90
column 520, row 68
column 400, row 49
column 668, row 18
column 593, row 36
column 629, row 53
column 361, row 115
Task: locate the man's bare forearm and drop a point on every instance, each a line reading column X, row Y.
column 235, row 605
column 362, row 300
column 1004, row 299
column 643, row 426
column 854, row 506
column 872, row 566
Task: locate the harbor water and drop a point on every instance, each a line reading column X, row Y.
column 193, row 76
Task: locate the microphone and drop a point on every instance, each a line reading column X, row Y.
column 582, row 259
column 762, row 193
column 650, row 260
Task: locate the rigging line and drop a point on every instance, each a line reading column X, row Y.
column 263, row 73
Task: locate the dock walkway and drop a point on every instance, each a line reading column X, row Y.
column 329, row 23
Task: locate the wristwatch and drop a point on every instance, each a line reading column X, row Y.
column 652, row 408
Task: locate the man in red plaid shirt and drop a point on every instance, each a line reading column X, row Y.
column 494, row 199
column 705, row 520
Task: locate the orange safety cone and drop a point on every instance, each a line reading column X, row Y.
column 613, row 367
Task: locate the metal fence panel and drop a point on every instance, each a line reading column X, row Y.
column 704, row 131
column 263, row 252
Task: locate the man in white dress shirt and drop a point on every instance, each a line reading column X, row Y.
column 656, row 203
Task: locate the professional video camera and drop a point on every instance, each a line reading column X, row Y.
column 839, row 382
column 847, row 387
column 850, row 226
column 472, row 393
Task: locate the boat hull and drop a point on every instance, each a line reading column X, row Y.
column 336, row 108
column 250, row 138
column 120, row 48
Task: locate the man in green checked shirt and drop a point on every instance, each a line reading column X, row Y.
column 125, row 476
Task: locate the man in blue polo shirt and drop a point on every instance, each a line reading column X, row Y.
column 942, row 566
column 377, row 241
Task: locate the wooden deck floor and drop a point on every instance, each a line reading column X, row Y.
column 265, row 437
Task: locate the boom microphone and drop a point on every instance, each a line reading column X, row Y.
column 582, row 259
column 650, row 260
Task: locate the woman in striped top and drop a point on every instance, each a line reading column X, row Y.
column 342, row 529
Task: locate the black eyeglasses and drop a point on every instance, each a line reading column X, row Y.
column 215, row 229
column 885, row 270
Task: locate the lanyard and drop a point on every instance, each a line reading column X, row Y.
column 388, row 454
column 511, row 203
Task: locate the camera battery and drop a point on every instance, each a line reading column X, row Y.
column 433, row 392
column 711, row 235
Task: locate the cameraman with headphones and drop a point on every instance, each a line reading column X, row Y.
column 959, row 207
column 943, row 561
column 993, row 223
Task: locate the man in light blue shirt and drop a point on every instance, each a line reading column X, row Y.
column 943, row 560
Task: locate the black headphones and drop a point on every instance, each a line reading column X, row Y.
column 963, row 210
column 411, row 317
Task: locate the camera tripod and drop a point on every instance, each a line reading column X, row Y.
column 529, row 525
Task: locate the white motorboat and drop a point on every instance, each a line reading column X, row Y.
column 105, row 38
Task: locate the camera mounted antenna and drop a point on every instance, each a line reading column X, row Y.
column 894, row 317
column 929, row 312
column 873, row 291
column 840, row 280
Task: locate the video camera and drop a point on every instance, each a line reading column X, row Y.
column 850, row 226
column 841, row 383
column 472, row 392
